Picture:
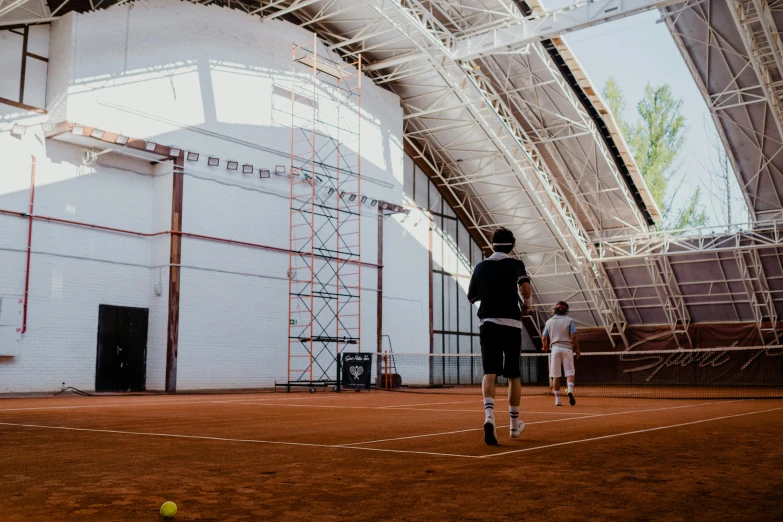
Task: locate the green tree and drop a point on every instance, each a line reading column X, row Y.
column 656, row 138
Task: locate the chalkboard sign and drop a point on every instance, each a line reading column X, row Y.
column 357, row 370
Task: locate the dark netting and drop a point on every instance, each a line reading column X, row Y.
column 696, row 373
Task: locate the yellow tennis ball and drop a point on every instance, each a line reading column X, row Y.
column 168, row 509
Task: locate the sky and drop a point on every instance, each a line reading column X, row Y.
column 637, row 50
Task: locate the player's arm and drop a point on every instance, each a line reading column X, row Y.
column 524, row 289
column 473, row 294
column 575, row 339
column 545, row 340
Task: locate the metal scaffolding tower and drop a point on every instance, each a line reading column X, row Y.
column 324, row 272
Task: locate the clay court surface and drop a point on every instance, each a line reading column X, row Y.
column 387, row 456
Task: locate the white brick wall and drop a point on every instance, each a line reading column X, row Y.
column 210, row 89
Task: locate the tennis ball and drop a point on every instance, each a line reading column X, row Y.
column 168, row 509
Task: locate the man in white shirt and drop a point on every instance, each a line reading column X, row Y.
column 560, row 334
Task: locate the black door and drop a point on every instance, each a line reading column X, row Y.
column 122, row 349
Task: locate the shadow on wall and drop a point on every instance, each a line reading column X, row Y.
column 230, row 94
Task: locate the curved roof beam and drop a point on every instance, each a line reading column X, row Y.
column 515, row 34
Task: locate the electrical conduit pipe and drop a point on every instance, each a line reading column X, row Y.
column 29, row 245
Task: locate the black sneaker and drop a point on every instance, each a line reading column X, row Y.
column 571, row 398
column 490, row 433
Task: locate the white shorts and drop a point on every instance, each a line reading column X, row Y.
column 561, row 356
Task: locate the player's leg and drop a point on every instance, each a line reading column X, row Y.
column 492, row 361
column 511, row 355
column 555, row 364
column 488, row 390
column 570, row 373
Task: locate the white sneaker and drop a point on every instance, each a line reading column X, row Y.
column 490, row 432
column 557, row 400
column 515, row 433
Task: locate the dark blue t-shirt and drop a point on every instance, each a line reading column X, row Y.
column 495, row 282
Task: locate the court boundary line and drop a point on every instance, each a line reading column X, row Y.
column 117, row 404
column 386, row 408
column 384, row 450
column 615, row 435
column 228, row 439
column 530, row 423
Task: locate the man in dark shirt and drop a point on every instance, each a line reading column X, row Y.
column 497, row 282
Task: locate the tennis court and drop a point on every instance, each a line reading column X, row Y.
column 374, row 455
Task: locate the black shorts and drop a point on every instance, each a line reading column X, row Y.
column 500, row 349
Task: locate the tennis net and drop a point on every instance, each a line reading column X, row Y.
column 754, row 372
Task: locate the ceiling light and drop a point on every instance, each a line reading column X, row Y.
column 364, row 199
column 373, row 202
column 232, row 165
column 175, row 152
column 352, row 198
column 47, row 126
column 213, row 162
column 264, row 173
column 247, row 169
column 18, row 130
column 150, row 146
column 192, row 156
column 121, row 140
column 78, row 129
column 280, row 169
column 97, row 133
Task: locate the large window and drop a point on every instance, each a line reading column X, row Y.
column 454, row 253
column 24, row 61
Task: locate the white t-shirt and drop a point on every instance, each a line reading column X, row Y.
column 559, row 329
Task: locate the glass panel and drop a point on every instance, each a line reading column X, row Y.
column 450, row 303
column 464, row 242
column 408, row 171
column 422, row 183
column 435, row 199
column 437, row 302
column 478, row 256
column 465, row 363
column 452, row 373
column 436, row 365
column 450, row 246
column 465, row 309
column 437, row 243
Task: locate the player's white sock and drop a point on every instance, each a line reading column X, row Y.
column 489, row 408
column 557, row 398
column 513, row 412
column 570, row 387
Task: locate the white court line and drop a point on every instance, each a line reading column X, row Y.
column 429, row 404
column 117, row 404
column 226, row 439
column 528, row 423
column 629, row 433
column 334, row 406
